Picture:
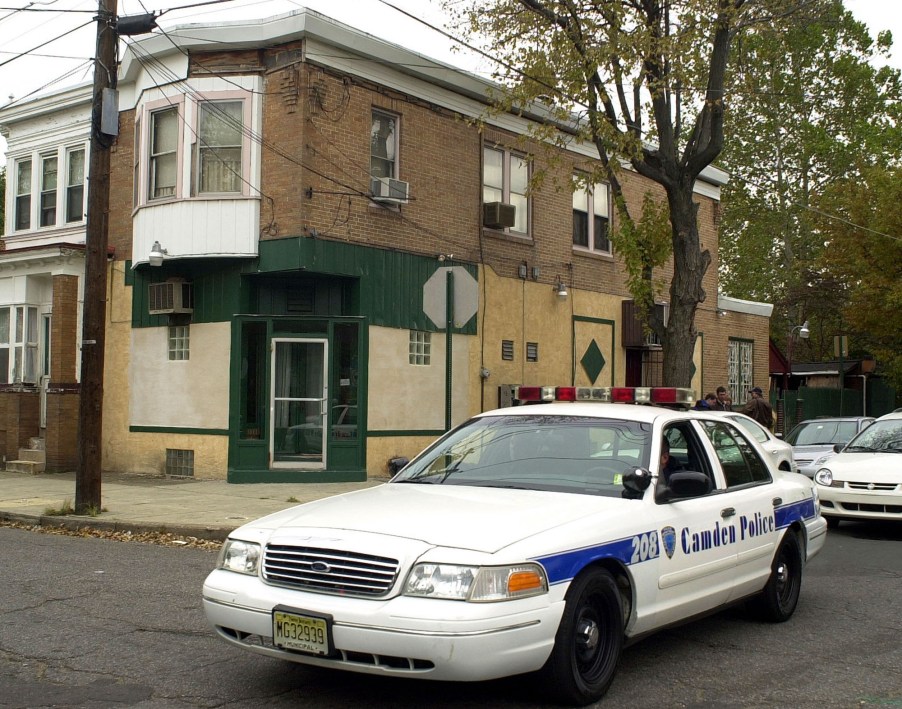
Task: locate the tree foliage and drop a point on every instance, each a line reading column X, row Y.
column 809, row 111
column 646, row 81
column 863, row 236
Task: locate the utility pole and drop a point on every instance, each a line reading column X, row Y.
column 90, row 412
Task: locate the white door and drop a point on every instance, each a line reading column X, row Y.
column 298, row 403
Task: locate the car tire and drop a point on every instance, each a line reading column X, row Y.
column 777, row 602
column 832, row 522
column 588, row 642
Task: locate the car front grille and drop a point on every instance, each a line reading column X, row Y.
column 875, row 487
column 329, row 570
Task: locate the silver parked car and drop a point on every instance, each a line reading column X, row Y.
column 813, row 440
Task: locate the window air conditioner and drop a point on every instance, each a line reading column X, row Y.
column 173, row 296
column 498, row 215
column 387, row 189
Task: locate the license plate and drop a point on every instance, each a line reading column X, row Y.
column 298, row 631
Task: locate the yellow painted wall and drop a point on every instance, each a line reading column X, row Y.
column 145, row 453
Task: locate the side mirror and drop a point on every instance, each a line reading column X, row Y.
column 636, row 482
column 689, row 483
column 837, row 447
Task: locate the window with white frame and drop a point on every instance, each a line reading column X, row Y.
column 383, row 145
column 49, row 171
column 179, row 341
column 505, row 178
column 740, row 358
column 22, row 218
column 220, row 131
column 75, row 184
column 420, row 348
column 590, row 218
column 18, row 344
column 164, row 133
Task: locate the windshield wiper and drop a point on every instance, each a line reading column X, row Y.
column 859, row 449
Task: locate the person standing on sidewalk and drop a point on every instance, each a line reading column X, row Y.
column 759, row 409
column 722, row 402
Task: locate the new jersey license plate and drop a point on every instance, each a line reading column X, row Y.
column 297, row 631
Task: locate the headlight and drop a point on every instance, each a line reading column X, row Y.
column 824, row 477
column 240, row 557
column 474, row 583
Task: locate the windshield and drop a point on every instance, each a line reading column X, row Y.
column 816, row 433
column 883, row 436
column 560, row 453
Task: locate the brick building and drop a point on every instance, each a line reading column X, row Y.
column 289, row 197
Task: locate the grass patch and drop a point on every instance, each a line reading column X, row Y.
column 67, row 509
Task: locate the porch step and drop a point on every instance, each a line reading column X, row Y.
column 31, row 467
column 33, row 455
column 31, row 460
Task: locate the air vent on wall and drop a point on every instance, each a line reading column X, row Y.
column 173, row 296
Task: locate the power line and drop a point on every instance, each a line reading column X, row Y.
column 44, row 44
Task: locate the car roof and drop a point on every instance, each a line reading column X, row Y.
column 831, row 419
column 643, row 413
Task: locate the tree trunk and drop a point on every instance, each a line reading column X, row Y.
column 690, row 264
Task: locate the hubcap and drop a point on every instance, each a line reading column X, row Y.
column 587, row 637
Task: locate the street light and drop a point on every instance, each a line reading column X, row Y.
column 804, row 332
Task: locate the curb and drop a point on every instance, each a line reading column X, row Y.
column 78, row 522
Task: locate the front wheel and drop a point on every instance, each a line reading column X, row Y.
column 588, row 642
column 778, row 601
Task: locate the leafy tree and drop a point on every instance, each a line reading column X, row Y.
column 809, row 110
column 646, row 78
column 863, row 235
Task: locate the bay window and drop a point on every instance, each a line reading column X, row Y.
column 48, row 189
column 164, row 132
column 18, row 344
column 220, row 137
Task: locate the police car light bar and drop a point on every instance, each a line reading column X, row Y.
column 674, row 396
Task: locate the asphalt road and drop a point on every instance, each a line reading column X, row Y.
column 102, row 623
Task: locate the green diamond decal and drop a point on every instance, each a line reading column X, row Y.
column 592, row 362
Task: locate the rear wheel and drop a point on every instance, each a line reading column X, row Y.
column 777, row 602
column 588, row 642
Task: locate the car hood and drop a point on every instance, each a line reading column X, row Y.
column 813, row 451
column 475, row 518
column 866, row 467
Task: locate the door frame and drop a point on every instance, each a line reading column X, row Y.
column 323, row 404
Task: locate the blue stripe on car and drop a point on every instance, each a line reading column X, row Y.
column 564, row 565
column 785, row 515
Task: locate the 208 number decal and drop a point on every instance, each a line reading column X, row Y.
column 645, row 546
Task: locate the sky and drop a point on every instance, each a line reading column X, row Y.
column 51, row 63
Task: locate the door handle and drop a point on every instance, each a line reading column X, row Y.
column 777, row 501
column 727, row 512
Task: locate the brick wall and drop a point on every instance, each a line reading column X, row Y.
column 61, row 435
column 64, row 330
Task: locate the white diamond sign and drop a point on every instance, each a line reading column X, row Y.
column 466, row 296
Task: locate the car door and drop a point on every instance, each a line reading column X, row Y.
column 698, row 557
column 747, row 504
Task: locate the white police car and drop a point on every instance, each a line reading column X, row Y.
column 534, row 538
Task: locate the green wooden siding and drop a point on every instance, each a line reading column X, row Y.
column 384, row 286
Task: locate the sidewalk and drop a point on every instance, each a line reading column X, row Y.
column 208, row 509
